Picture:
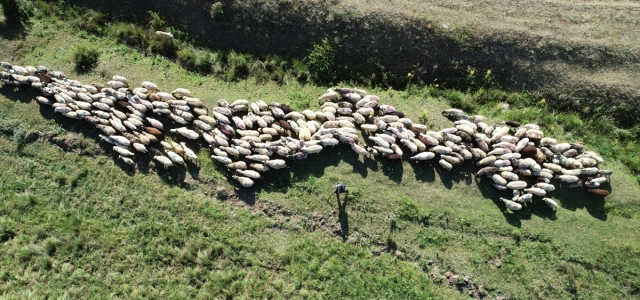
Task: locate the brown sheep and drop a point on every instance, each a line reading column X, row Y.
column 131, row 137
column 512, row 123
column 598, row 192
column 153, row 97
column 153, row 131
column 396, row 113
column 415, row 130
column 44, row 78
column 286, row 108
column 122, row 105
column 465, row 137
column 98, row 86
column 529, row 151
column 422, row 139
column 284, row 124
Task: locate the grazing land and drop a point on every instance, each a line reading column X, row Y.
column 76, row 222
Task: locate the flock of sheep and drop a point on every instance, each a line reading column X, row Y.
column 249, row 138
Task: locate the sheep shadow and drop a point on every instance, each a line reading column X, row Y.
column 18, row 94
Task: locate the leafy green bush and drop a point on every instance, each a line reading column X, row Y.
column 239, row 65
column 320, row 62
column 85, row 57
column 216, row 11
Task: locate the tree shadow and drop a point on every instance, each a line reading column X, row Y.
column 12, row 30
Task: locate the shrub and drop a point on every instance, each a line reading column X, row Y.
column 85, row 57
column 195, row 60
column 320, row 62
column 239, row 65
column 216, row 11
column 164, row 46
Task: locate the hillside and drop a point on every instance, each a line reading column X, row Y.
column 76, row 222
column 580, row 55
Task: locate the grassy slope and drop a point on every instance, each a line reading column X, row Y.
column 112, row 236
column 576, row 53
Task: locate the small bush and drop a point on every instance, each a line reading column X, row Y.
column 239, row 65
column 320, row 62
column 216, row 11
column 85, row 57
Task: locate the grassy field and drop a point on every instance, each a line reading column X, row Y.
column 77, row 223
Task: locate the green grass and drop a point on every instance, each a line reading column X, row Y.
column 76, row 222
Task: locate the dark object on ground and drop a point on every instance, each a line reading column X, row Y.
column 340, row 188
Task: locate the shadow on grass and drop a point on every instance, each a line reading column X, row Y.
column 12, row 30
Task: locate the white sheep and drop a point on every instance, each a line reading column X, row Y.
column 445, row 164
column 238, row 165
column 249, row 173
column 276, row 164
column 222, row 159
column 127, row 160
column 536, row 191
column 511, row 204
column 163, row 160
column 545, row 186
column 164, row 34
column 244, row 181
column 550, row 202
column 188, row 133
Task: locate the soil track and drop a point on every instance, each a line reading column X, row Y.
column 577, row 56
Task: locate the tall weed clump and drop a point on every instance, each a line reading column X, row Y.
column 130, row 35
